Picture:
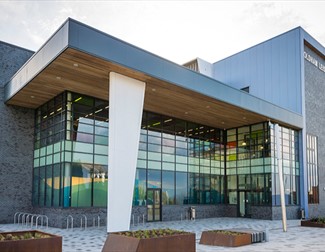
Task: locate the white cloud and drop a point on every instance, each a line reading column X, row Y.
column 176, row 30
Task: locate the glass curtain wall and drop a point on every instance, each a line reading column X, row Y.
column 248, row 166
column 251, row 165
column 71, row 152
column 289, row 149
column 183, row 159
column 189, row 162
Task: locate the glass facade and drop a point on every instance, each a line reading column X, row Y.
column 71, row 152
column 289, row 156
column 248, row 166
column 190, row 163
column 184, row 159
column 312, row 170
column 251, row 165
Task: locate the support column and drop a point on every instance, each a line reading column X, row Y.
column 126, row 97
column 279, row 161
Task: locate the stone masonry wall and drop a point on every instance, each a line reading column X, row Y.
column 16, row 141
column 315, row 121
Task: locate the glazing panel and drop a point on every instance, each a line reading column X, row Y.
column 168, row 166
column 36, row 162
column 57, row 147
column 67, row 156
column 181, row 167
column 101, row 140
column 56, row 185
column 49, row 149
column 168, row 188
column 258, row 169
column 82, row 157
column 168, row 157
column 101, row 131
column 101, row 149
column 101, row 159
column 83, row 147
column 100, row 186
column 141, row 163
column 81, row 185
column 36, row 153
column 154, row 165
column 141, row 154
column 42, row 183
column 68, row 145
column 154, row 156
column 154, row 179
column 181, row 159
column 139, row 195
column 205, row 170
column 181, row 188
column 43, row 151
column 154, row 147
column 49, row 160
column 42, row 161
column 193, row 168
column 36, row 180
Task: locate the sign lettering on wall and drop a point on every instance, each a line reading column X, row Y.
column 314, row 61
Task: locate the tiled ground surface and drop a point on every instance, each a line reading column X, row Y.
column 296, row 238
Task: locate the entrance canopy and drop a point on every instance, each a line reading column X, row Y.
column 79, row 58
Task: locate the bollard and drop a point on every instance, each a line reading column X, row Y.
column 266, row 234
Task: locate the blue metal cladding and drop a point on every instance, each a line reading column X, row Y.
column 271, row 69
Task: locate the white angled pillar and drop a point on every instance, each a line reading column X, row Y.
column 126, row 97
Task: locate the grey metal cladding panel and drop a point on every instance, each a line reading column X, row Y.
column 45, row 55
column 271, row 69
column 104, row 46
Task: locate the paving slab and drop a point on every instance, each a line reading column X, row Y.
column 296, row 238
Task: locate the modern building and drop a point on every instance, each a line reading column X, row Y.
column 89, row 114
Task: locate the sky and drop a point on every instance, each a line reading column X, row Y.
column 175, row 30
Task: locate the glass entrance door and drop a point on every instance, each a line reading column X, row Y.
column 244, row 204
column 154, row 204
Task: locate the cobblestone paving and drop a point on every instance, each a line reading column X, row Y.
column 296, row 238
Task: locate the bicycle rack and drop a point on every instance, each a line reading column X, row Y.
column 36, row 223
column 15, row 217
column 26, row 218
column 42, row 220
column 70, row 217
column 85, row 218
column 32, row 220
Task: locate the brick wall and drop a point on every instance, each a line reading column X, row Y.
column 16, row 141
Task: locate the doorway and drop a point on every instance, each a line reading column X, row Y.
column 244, row 204
column 154, row 205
